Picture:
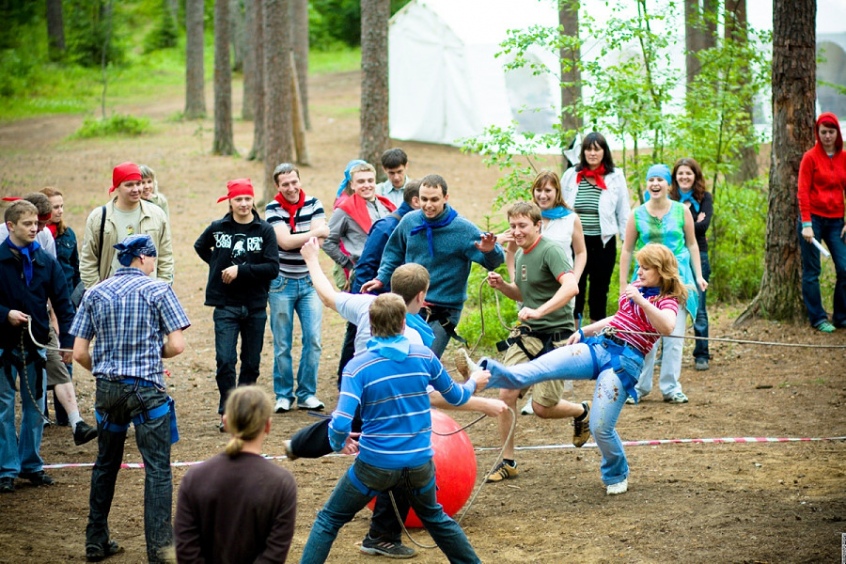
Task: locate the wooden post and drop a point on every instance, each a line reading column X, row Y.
column 299, row 120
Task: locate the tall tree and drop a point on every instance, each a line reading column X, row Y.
column 700, row 32
column 736, row 30
column 571, row 75
column 374, row 78
column 195, row 94
column 251, row 44
column 256, row 34
column 55, row 30
column 236, row 34
column 794, row 96
column 300, row 20
column 223, row 140
column 278, row 142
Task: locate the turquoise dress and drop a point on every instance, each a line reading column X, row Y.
column 668, row 231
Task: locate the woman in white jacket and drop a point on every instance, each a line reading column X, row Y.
column 598, row 193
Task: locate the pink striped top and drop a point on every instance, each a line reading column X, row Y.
column 630, row 317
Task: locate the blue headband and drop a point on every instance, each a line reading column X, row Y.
column 346, row 181
column 661, row 171
column 135, row 246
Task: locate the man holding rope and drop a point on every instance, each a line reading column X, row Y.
column 28, row 279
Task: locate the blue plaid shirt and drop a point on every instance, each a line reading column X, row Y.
column 130, row 314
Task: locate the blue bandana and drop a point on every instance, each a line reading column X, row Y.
column 661, row 171
column 688, row 197
column 417, row 323
column 26, row 256
column 346, row 181
column 430, row 226
column 648, row 292
column 556, row 213
column 393, row 348
column 135, row 246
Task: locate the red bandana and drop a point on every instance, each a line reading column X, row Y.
column 597, row 174
column 122, row 173
column 239, row 187
column 291, row 208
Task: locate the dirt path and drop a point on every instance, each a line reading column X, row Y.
column 703, row 502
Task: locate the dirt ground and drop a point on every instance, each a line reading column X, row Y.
column 702, row 502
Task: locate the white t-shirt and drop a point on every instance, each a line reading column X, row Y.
column 355, row 308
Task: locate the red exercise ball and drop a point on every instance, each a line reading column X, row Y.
column 455, row 467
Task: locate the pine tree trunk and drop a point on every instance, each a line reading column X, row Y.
column 301, row 54
column 223, row 141
column 55, row 30
column 236, row 34
column 277, row 90
column 374, row 79
column 257, row 36
column 571, row 75
column 700, row 32
column 736, row 30
column 248, row 104
column 794, row 94
column 195, row 95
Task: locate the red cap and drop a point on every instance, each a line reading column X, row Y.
column 238, row 187
column 122, row 173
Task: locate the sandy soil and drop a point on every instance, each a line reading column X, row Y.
column 700, row 502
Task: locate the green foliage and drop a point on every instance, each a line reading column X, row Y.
column 117, row 125
column 92, row 27
column 338, row 22
column 164, row 34
column 484, row 330
column 339, row 59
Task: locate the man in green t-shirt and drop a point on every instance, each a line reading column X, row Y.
column 545, row 284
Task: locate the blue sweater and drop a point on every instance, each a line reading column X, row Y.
column 449, row 268
column 396, row 426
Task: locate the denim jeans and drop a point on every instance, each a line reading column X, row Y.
column 120, row 403
column 229, row 323
column 580, row 362
column 21, row 453
column 289, row 295
column 826, row 230
column 671, row 361
column 700, row 324
column 347, row 500
column 441, row 341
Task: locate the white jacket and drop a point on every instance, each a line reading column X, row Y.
column 613, row 202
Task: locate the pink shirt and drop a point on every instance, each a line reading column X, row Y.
column 630, row 317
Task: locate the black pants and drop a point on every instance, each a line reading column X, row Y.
column 601, row 260
column 347, row 350
column 313, row 442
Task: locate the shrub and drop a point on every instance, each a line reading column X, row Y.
column 117, row 125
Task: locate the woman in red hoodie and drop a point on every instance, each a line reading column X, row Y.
column 822, row 184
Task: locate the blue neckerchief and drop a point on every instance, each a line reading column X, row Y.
column 556, row 213
column 647, row 292
column 688, row 197
column 430, row 226
column 417, row 323
column 26, row 256
column 392, row 348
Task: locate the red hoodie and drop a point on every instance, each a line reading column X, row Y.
column 822, row 179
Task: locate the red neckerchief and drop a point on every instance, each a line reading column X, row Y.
column 597, row 174
column 291, row 208
column 53, row 228
column 356, row 207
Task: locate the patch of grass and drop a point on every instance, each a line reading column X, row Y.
column 343, row 59
column 117, row 125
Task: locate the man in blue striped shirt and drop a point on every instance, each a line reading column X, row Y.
column 131, row 314
column 389, row 383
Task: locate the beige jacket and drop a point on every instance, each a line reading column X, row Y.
column 96, row 264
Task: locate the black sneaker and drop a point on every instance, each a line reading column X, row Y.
column 387, row 548
column 7, row 485
column 39, row 478
column 98, row 552
column 83, row 433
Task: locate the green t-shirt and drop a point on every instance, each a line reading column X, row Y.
column 538, row 276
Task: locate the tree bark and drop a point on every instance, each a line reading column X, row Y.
column 374, row 79
column 257, row 36
column 236, row 31
column 223, row 140
column 277, row 90
column 571, row 75
column 195, row 95
column 251, row 45
column 736, row 29
column 300, row 20
column 55, row 30
column 700, row 26
column 794, row 95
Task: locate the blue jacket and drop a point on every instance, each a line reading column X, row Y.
column 68, row 255
column 48, row 282
column 368, row 263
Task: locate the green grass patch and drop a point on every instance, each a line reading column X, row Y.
column 343, row 59
column 117, row 125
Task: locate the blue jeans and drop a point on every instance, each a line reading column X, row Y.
column 120, row 403
column 671, row 361
column 229, row 322
column 347, row 500
column 21, row 453
column 825, row 230
column 581, row 362
column 289, row 295
column 700, row 324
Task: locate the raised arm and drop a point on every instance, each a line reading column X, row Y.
column 322, row 285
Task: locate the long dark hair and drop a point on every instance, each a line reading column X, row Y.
column 594, row 139
column 699, row 187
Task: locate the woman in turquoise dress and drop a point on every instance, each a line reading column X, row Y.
column 661, row 220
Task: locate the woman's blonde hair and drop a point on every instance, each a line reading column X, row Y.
column 661, row 259
column 247, row 410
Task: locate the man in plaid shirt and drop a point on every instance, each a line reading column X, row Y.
column 130, row 314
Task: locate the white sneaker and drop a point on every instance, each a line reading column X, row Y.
column 527, row 408
column 618, row 488
column 311, row 402
column 283, row 405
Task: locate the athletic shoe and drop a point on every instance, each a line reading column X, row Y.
column 701, row 364
column 83, row 433
column 581, row 427
column 289, row 454
column 283, row 405
column 98, row 552
column 7, row 485
column 387, row 548
column 464, row 364
column 311, row 402
column 630, row 400
column 39, row 478
column 825, row 327
column 527, row 407
column 618, row 488
column 221, row 426
column 503, row 472
column 677, row 397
